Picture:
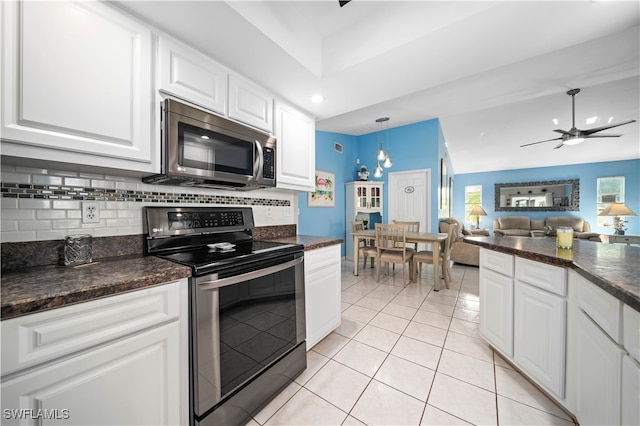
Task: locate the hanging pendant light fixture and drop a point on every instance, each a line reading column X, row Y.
column 382, row 154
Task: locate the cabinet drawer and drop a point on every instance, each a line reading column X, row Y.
column 41, row 337
column 321, row 257
column 499, row 262
column 604, row 309
column 541, row 275
column 631, row 329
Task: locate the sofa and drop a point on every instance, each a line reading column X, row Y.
column 462, row 252
column 523, row 226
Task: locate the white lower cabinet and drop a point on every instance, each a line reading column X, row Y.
column 134, row 381
column 539, row 334
column 597, row 377
column 496, row 300
column 116, row 360
column 496, row 305
column 630, row 390
column 322, row 292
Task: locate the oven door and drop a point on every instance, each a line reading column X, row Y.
column 243, row 320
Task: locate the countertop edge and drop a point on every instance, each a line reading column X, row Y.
column 616, row 290
column 155, row 271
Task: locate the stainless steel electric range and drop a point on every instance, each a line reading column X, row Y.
column 246, row 313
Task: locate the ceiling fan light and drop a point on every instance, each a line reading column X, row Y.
column 574, row 141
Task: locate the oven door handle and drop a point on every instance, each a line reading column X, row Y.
column 217, row 283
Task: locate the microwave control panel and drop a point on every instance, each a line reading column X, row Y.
column 268, row 165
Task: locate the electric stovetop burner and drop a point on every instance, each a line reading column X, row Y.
column 206, row 259
column 208, row 238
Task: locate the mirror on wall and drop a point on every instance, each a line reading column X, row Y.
column 555, row 195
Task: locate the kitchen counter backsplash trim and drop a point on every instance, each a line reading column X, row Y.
column 77, row 193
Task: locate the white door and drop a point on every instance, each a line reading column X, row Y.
column 410, row 198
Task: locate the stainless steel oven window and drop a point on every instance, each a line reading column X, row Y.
column 242, row 324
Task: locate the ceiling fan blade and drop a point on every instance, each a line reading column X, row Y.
column 564, row 132
column 343, row 2
column 534, row 143
column 560, row 145
column 602, row 135
column 609, row 126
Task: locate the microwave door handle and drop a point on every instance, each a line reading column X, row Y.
column 257, row 166
column 217, row 283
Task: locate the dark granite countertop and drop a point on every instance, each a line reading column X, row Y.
column 613, row 267
column 308, row 241
column 28, row 288
column 26, row 291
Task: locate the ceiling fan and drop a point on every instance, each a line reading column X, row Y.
column 575, row 136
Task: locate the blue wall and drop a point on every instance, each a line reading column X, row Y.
column 587, row 173
column 330, row 221
column 414, row 146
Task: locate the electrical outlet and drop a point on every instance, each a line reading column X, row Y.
column 90, row 212
column 269, row 211
column 287, row 212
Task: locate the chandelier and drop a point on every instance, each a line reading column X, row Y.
column 382, row 154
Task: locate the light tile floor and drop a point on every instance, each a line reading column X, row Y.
column 409, row 356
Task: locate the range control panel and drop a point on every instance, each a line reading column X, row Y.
column 170, row 221
column 197, row 220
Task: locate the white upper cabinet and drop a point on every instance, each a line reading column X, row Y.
column 250, row 103
column 296, row 149
column 78, row 85
column 192, row 76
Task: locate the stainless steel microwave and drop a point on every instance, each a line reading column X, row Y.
column 206, row 150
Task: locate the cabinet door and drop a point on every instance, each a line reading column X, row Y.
column 322, row 293
column 375, row 198
column 496, row 307
column 78, row 87
column 191, row 76
column 539, row 336
column 134, row 381
column 250, row 104
column 598, row 369
column 296, row 149
column 630, row 391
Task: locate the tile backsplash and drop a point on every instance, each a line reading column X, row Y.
column 43, row 204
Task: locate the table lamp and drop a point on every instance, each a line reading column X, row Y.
column 477, row 211
column 616, row 210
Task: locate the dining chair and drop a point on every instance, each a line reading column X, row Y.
column 367, row 248
column 391, row 247
column 410, row 227
column 426, row 256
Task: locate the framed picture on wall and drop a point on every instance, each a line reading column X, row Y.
column 444, row 185
column 450, row 196
column 323, row 194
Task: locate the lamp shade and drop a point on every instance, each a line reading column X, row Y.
column 477, row 210
column 617, row 209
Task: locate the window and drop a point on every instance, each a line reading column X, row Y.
column 472, row 196
column 609, row 190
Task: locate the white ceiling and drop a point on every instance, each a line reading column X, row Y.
column 494, row 73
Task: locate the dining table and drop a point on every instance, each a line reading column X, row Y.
column 435, row 239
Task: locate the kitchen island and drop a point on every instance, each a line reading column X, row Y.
column 567, row 319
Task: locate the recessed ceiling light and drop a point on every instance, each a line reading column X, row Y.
column 610, row 120
column 555, row 121
column 316, row 99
